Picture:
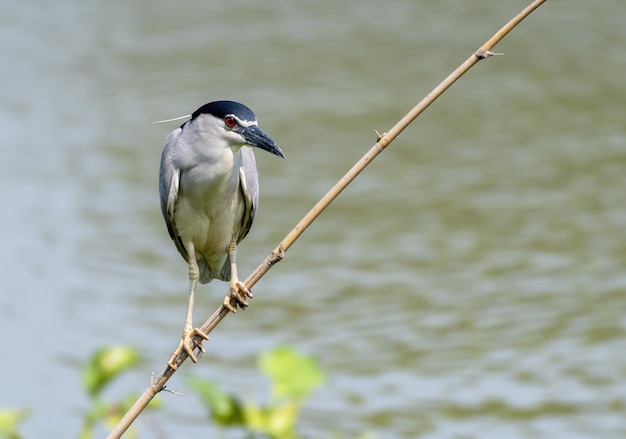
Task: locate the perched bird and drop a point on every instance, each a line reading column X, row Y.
column 209, row 190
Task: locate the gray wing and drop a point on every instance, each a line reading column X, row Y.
column 169, row 181
column 249, row 181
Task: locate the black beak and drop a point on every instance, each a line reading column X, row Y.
column 256, row 137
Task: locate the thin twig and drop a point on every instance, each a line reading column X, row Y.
column 382, row 141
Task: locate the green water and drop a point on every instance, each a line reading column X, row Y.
column 469, row 284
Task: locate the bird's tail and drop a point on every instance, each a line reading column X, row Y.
column 206, row 275
column 225, row 272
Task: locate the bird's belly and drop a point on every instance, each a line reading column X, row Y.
column 210, row 235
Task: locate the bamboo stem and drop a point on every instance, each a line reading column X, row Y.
column 384, row 140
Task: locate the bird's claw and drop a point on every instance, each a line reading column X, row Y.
column 238, row 295
column 188, row 345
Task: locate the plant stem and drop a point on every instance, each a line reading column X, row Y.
column 384, row 140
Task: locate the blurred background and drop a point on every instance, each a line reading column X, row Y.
column 469, row 284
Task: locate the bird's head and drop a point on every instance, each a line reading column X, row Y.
column 232, row 123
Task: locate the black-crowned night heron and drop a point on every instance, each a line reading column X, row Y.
column 209, row 193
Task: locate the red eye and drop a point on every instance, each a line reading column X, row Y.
column 230, row 121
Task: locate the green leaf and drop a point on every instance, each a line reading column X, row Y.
column 223, row 407
column 282, row 420
column 293, row 375
column 9, row 418
column 104, row 365
column 277, row 421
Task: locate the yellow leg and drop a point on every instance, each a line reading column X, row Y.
column 187, row 343
column 237, row 292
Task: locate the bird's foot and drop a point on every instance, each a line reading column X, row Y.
column 188, row 345
column 238, row 295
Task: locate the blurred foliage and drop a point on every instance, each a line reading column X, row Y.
column 104, row 366
column 9, row 419
column 292, row 376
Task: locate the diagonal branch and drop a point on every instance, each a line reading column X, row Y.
column 383, row 140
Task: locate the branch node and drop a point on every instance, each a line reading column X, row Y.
column 379, row 136
column 276, row 256
column 174, row 392
column 482, row 54
column 161, row 387
column 156, row 388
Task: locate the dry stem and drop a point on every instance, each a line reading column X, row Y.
column 383, row 140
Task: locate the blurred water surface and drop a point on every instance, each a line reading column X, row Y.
column 469, row 284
